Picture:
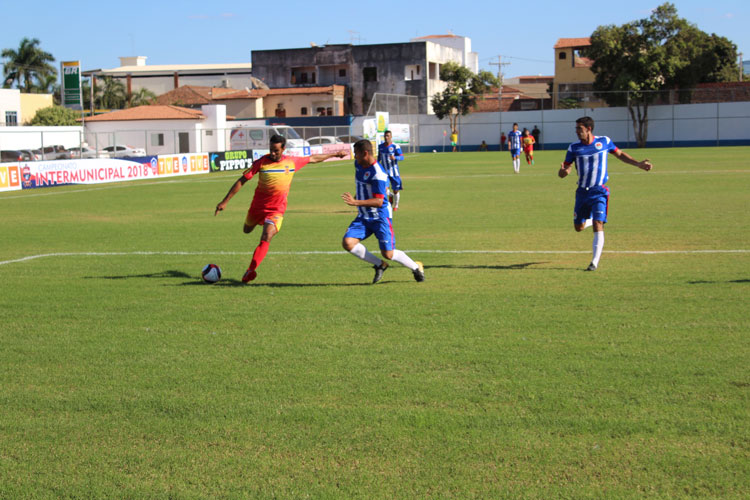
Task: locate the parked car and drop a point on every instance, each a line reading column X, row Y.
column 13, row 155
column 86, row 152
column 31, row 154
column 324, row 139
column 52, row 153
column 258, row 136
column 124, row 151
column 349, row 139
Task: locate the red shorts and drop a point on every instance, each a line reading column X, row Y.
column 260, row 218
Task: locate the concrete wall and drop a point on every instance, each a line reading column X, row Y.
column 678, row 125
column 141, row 134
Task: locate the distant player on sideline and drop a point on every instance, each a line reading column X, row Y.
column 592, row 196
column 275, row 172
column 514, row 146
column 373, row 215
column 389, row 155
column 528, row 146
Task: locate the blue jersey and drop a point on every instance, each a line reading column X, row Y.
column 591, row 161
column 372, row 182
column 384, row 157
column 514, row 140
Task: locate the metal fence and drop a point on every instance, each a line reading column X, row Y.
column 401, row 109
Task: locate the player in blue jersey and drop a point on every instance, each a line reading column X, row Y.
column 592, row 195
column 514, row 146
column 389, row 155
column 373, row 215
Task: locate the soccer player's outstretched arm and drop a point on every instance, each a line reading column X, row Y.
column 626, row 158
column 232, row 191
column 320, row 158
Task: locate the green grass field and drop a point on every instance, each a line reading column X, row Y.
column 508, row 373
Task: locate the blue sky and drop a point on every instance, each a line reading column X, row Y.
column 199, row 32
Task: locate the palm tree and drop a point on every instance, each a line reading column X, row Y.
column 27, row 64
column 143, row 97
column 110, row 93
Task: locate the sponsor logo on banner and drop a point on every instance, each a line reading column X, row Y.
column 231, row 160
column 10, row 178
column 187, row 164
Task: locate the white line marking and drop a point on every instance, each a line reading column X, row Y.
column 341, row 252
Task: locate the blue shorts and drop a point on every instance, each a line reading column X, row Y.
column 396, row 183
column 591, row 203
column 515, row 152
column 381, row 228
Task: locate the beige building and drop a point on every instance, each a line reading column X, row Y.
column 31, row 103
column 574, row 81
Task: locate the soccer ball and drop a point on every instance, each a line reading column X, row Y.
column 211, row 273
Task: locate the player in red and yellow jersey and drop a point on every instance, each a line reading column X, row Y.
column 275, row 172
column 528, row 146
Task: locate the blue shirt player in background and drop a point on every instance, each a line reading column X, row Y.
column 373, row 215
column 389, row 155
column 592, row 196
column 514, row 146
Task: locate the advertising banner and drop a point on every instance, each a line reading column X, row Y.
column 382, row 118
column 10, row 177
column 183, row 164
column 230, row 160
column 400, row 133
column 369, row 129
column 62, row 172
column 71, row 85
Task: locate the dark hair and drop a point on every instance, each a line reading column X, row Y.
column 278, row 139
column 515, row 124
column 363, row 145
column 586, row 121
column 387, row 132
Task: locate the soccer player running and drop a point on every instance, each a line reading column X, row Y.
column 389, row 155
column 373, row 215
column 514, row 146
column 528, row 146
column 275, row 172
column 592, row 196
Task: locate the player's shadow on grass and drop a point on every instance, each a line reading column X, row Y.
column 164, row 274
column 238, row 283
column 704, row 282
column 523, row 265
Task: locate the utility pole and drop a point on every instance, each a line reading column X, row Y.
column 742, row 68
column 500, row 65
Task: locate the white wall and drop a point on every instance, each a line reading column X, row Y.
column 36, row 137
column 139, row 134
column 10, row 100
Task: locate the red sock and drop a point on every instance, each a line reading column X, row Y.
column 259, row 255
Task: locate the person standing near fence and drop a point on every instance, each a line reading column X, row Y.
column 592, row 196
column 389, row 154
column 454, row 139
column 536, row 133
column 514, row 146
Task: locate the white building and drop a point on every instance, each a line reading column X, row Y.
column 10, row 107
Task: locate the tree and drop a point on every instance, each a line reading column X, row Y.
column 110, row 93
column 54, row 116
column 143, row 97
column 26, row 65
column 634, row 61
column 460, row 95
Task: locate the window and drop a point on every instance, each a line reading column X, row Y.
column 370, row 74
column 157, row 139
column 11, row 118
column 329, row 111
column 342, row 72
column 256, row 135
column 562, row 56
column 303, row 111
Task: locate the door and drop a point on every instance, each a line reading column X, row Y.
column 184, row 140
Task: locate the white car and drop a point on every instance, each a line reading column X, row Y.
column 86, row 152
column 324, row 139
column 123, row 151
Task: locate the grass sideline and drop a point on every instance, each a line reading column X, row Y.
column 508, row 373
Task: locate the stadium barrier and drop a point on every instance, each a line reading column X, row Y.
column 39, row 174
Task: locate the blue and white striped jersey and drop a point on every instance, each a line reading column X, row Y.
column 384, row 157
column 514, row 139
column 591, row 160
column 371, row 182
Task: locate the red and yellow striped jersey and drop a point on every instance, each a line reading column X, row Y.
column 274, row 181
